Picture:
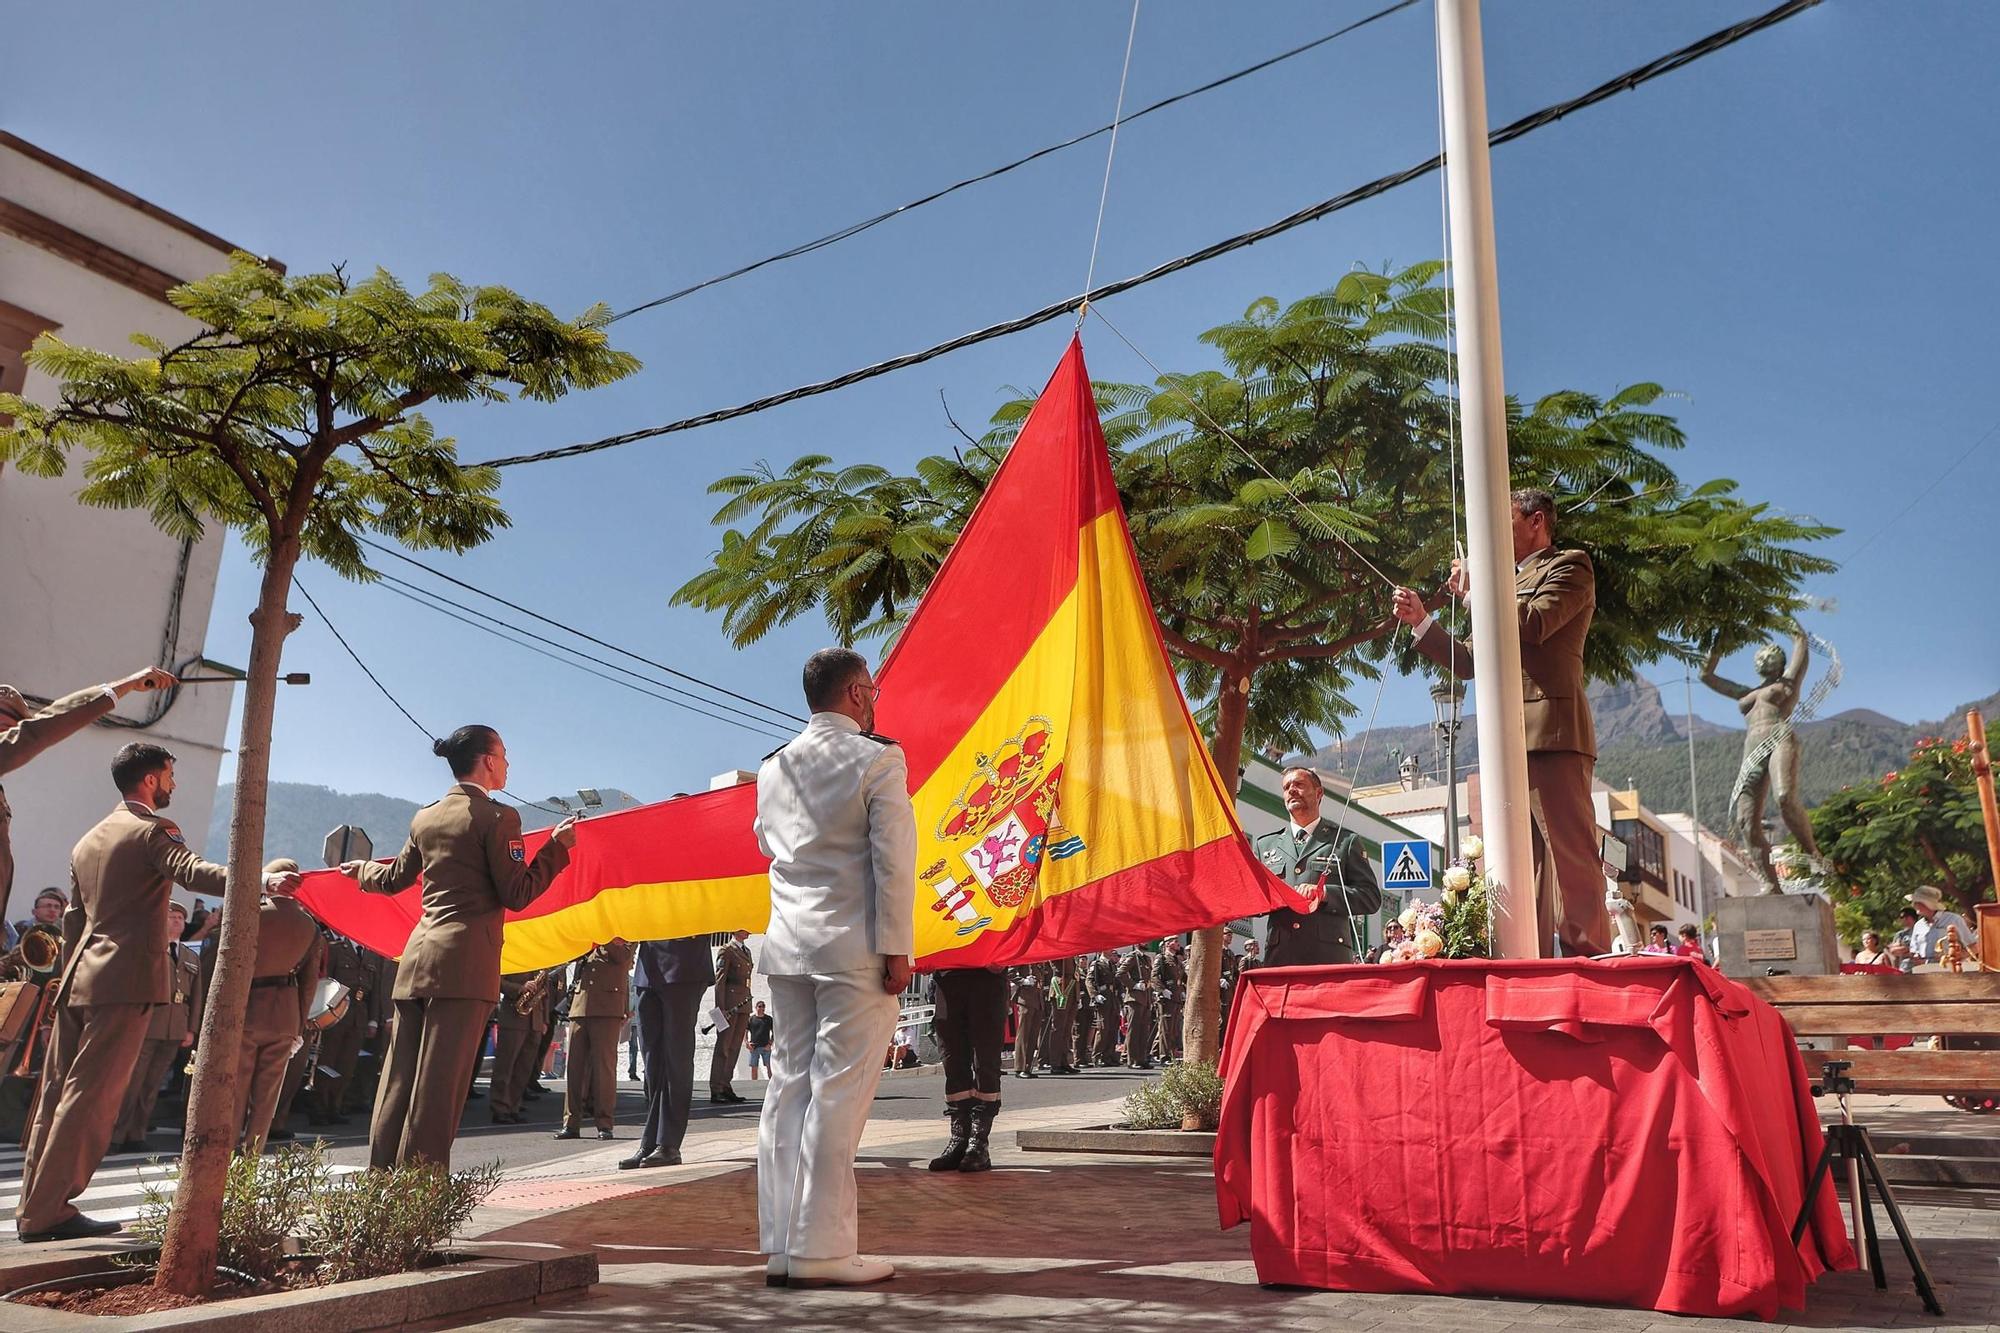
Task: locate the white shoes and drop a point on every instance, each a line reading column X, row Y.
column 853, row 1271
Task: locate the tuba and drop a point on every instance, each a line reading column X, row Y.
column 37, row 955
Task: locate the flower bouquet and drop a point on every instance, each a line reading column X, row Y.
column 1456, row 925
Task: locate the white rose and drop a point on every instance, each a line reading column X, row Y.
column 1408, row 920
column 1457, row 879
column 1472, row 848
column 1429, row 943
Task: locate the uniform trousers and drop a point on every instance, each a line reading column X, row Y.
column 432, row 1051
column 1028, row 1030
column 728, row 1046
column 1139, row 1029
column 1569, row 874
column 339, row 1048
column 1062, row 1035
column 156, row 1061
column 1167, row 1044
column 971, row 1026
column 90, row 1061
column 667, row 1017
column 826, row 1062
column 592, row 1087
column 513, row 1064
column 1107, row 1034
column 1085, row 1027
column 265, row 1059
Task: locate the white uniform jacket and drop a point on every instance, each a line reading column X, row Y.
column 834, row 816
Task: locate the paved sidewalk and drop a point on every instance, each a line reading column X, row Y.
column 1117, row 1243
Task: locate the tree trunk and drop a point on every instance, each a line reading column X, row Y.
column 187, row 1258
column 1201, row 1027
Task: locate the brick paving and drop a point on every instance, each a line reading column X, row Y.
column 1121, row 1243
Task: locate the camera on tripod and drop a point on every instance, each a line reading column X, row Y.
column 1833, row 1078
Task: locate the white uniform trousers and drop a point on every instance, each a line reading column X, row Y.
column 831, row 1032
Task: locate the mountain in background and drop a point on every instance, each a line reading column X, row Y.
column 1640, row 744
column 300, row 815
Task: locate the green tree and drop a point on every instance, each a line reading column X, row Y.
column 1273, row 501
column 289, row 417
column 1918, row 824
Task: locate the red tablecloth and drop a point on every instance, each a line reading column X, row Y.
column 1634, row 1131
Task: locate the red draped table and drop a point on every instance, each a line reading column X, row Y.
column 1634, row 1131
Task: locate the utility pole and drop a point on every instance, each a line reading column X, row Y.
column 1496, row 631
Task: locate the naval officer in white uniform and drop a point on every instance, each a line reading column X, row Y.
column 834, row 816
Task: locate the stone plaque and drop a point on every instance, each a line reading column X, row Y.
column 1763, row 946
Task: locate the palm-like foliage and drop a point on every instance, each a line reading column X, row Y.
column 290, row 416
column 1274, row 501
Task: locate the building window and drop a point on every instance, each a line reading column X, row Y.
column 18, row 329
column 1646, row 852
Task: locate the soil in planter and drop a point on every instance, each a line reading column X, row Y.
column 139, row 1298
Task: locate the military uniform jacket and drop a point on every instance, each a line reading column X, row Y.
column 834, row 816
column 1170, row 979
column 1296, row 939
column 181, row 1014
column 603, row 982
column 510, row 1015
column 1135, row 979
column 34, row 734
column 1103, row 980
column 733, row 969
column 467, row 847
column 1031, row 986
column 123, row 870
column 1557, row 595
column 288, row 945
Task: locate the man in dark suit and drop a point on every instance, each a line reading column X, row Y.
column 672, row 976
column 1556, row 592
column 1311, row 852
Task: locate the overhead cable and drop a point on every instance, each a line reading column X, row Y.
column 856, row 228
column 1548, row 115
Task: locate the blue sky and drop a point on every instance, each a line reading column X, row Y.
column 1789, row 234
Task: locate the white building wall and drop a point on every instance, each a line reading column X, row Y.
column 88, row 593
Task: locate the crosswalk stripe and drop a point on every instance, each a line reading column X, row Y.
column 122, row 1188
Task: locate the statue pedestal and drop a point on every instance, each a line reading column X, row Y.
column 1781, row 932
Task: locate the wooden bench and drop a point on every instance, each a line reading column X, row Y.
column 1861, row 1007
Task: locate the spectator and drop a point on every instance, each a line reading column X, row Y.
column 1690, row 945
column 1871, row 950
column 1899, row 947
column 760, row 1042
column 1658, row 940
column 1927, row 936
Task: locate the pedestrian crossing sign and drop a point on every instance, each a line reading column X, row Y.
column 1406, row 865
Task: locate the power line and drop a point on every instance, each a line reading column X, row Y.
column 779, row 713
column 1921, row 495
column 856, row 228
column 491, row 625
column 1548, row 115
column 372, row 677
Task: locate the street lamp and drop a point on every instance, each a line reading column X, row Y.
column 1446, row 697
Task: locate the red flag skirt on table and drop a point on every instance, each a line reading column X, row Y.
column 1065, row 801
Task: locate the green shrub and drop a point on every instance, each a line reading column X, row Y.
column 378, row 1222
column 1186, row 1089
column 263, row 1205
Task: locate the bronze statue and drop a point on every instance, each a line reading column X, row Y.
column 1770, row 751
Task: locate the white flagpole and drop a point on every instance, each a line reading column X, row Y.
column 1496, row 632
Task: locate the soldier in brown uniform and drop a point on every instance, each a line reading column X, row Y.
column 1063, row 988
column 733, row 967
column 170, row 1031
column 1556, row 595
column 1031, row 997
column 1170, row 981
column 26, row 731
column 290, row 958
column 340, row 1045
column 519, row 1037
column 123, row 870
column 1135, row 982
column 1105, row 995
column 597, row 1016
column 467, row 846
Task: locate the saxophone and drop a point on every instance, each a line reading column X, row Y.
column 531, row 996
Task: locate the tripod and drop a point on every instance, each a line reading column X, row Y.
column 1849, row 1143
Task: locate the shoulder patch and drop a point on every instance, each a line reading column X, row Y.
column 516, row 850
column 173, row 830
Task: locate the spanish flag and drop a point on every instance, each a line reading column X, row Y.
column 1064, row 800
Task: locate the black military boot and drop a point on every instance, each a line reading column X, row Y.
column 960, row 1116
column 976, row 1157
